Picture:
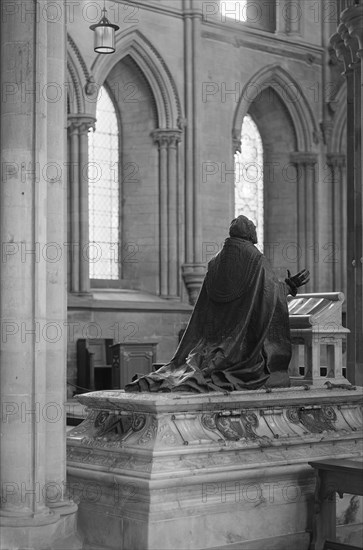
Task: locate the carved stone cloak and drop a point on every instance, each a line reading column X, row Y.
column 238, row 336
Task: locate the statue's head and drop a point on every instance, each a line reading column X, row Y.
column 243, row 228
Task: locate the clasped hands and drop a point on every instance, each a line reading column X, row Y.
column 297, row 280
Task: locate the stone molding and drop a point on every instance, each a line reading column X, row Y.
column 303, row 158
column 122, row 422
column 282, row 83
column 79, row 76
column 336, row 160
column 193, row 276
column 83, row 123
column 236, row 141
column 154, row 68
column 167, row 137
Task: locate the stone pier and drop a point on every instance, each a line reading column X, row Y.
column 35, row 512
column 186, row 471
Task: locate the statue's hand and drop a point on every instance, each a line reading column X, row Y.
column 297, row 280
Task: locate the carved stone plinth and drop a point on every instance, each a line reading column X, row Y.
column 161, row 471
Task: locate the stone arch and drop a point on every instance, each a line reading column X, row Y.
column 154, row 68
column 292, row 97
column 78, row 78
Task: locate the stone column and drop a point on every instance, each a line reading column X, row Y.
column 351, row 30
column 32, row 168
column 193, row 268
column 307, row 216
column 167, row 141
column 55, row 334
column 78, row 128
column 336, row 163
column 173, row 267
column 344, row 54
column 73, row 283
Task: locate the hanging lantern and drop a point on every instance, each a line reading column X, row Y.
column 104, row 35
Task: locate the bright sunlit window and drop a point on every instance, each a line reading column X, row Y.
column 104, row 194
column 233, row 9
column 249, row 176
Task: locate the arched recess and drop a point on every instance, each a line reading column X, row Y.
column 158, row 136
column 279, row 141
column 137, row 46
column 291, row 94
column 290, row 136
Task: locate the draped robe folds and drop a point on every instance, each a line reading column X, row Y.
column 238, row 336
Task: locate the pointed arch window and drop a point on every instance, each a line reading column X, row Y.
column 233, row 9
column 258, row 14
column 104, row 192
column 249, row 176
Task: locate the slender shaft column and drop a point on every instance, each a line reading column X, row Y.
column 193, row 269
column 197, row 179
column 189, row 113
column 163, row 211
column 300, row 216
column 168, row 179
column 352, row 21
column 173, row 267
column 307, row 225
column 74, row 204
column 78, row 128
column 84, row 281
column 336, row 164
column 343, row 236
column 55, row 334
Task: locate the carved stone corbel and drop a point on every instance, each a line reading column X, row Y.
column 193, row 275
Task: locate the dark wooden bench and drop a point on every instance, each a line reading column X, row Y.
column 333, row 476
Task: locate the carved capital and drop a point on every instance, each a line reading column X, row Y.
column 353, row 19
column 304, row 159
column 326, row 129
column 167, row 138
column 193, row 275
column 351, row 43
column 336, row 160
column 82, row 123
column 342, row 52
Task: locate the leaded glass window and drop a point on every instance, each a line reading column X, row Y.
column 104, row 193
column 249, row 176
column 234, row 9
column 258, row 14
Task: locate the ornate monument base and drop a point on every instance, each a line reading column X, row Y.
column 186, row 471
